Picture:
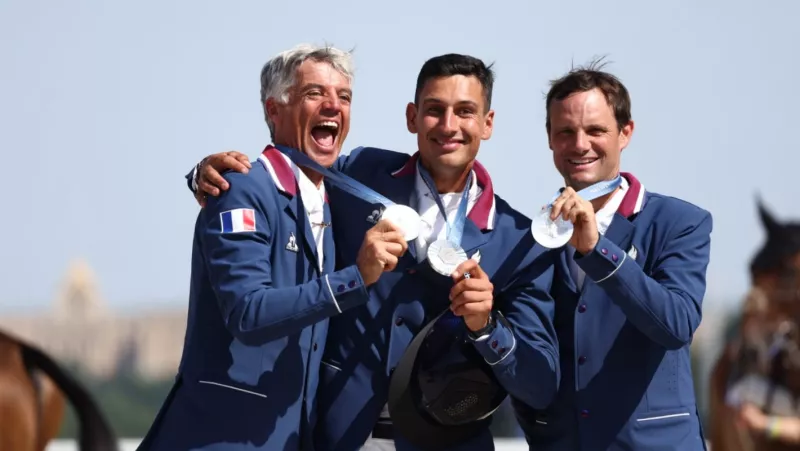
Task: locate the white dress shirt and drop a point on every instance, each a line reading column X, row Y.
column 314, row 202
column 433, row 225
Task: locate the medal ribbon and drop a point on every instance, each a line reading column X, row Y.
column 342, row 181
column 455, row 229
column 593, row 192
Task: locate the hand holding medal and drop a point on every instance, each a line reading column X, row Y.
column 382, row 247
column 471, row 297
column 569, row 217
column 579, row 213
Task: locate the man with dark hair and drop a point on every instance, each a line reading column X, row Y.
column 629, row 290
column 504, row 301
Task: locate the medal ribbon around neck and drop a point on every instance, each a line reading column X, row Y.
column 405, row 217
column 445, row 255
column 556, row 233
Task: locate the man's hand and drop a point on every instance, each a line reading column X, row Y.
column 382, row 247
column 580, row 213
column 471, row 297
column 209, row 180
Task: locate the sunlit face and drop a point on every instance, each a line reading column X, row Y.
column 585, row 139
column 450, row 121
column 316, row 119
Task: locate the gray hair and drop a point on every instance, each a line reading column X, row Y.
column 278, row 74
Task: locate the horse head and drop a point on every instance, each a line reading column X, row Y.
column 770, row 325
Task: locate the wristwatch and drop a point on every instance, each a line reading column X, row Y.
column 483, row 333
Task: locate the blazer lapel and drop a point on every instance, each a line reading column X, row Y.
column 620, row 232
column 473, row 238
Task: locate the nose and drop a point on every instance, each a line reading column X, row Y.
column 332, row 105
column 582, row 141
column 448, row 123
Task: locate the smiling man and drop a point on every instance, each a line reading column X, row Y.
column 505, row 303
column 630, row 287
column 263, row 283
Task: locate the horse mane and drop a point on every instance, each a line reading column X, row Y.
column 95, row 433
column 782, row 241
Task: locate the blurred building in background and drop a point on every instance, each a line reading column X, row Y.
column 80, row 328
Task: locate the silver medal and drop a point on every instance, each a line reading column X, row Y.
column 550, row 234
column 405, row 218
column 444, row 257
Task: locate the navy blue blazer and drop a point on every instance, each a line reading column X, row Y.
column 257, row 321
column 624, row 339
column 366, row 343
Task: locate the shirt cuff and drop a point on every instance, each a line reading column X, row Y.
column 603, row 261
column 346, row 288
column 195, row 172
column 498, row 345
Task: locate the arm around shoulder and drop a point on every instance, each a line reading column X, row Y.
column 236, row 241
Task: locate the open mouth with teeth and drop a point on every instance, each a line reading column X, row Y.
column 582, row 162
column 448, row 143
column 324, row 134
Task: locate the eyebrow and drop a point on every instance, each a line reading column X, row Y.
column 569, row 128
column 440, row 101
column 311, row 86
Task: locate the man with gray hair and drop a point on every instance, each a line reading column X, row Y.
column 263, row 283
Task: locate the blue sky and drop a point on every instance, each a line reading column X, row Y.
column 106, row 105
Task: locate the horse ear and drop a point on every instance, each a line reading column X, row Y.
column 767, row 219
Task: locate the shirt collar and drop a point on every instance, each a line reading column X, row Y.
column 483, row 212
column 287, row 175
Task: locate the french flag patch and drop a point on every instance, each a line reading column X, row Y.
column 238, row 220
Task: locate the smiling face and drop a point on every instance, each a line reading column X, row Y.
column 450, row 120
column 316, row 118
column 585, row 138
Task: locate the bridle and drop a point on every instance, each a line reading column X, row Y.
column 779, row 353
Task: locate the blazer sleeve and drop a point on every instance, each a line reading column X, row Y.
column 523, row 347
column 667, row 304
column 340, row 165
column 255, row 307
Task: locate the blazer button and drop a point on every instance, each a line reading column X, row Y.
column 398, row 321
column 494, row 344
column 581, row 360
column 315, row 346
column 351, row 284
column 582, row 308
column 502, row 351
column 614, row 257
column 604, row 251
column 340, row 288
column 585, row 413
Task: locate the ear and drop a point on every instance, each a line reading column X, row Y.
column 488, row 125
column 625, row 135
column 271, row 109
column 411, row 117
column 767, row 220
